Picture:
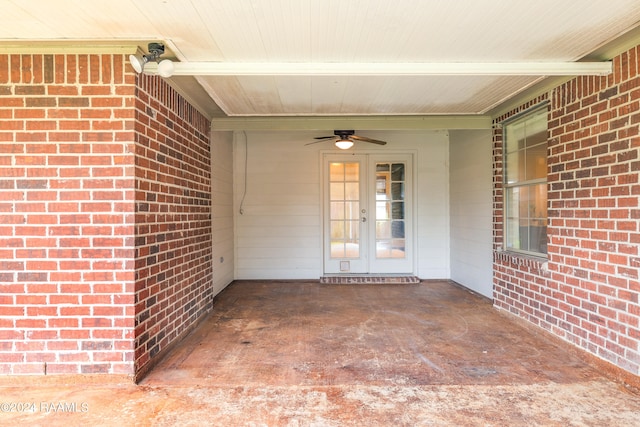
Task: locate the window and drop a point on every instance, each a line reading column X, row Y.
column 525, row 183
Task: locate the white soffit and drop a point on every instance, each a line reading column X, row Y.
column 396, row 52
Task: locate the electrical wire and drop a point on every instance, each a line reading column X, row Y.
column 246, row 161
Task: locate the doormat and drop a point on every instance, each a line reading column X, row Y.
column 368, row 279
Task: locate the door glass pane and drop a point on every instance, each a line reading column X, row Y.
column 337, row 249
column 382, row 211
column 352, row 209
column 397, row 191
column 337, row 230
column 336, row 172
column 337, row 211
column 336, row 191
column 352, row 191
column 397, row 172
column 352, row 172
column 397, row 210
column 398, row 248
column 383, row 230
column 390, row 210
column 397, row 229
column 344, row 209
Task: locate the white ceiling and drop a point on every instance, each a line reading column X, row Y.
column 338, row 31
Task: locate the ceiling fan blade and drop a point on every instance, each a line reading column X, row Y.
column 365, row 139
column 324, row 137
column 315, row 142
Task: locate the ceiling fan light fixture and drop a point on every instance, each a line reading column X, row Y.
column 344, row 143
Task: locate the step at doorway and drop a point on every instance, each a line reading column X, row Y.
column 365, row 279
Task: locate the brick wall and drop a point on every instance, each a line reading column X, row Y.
column 105, row 228
column 66, row 214
column 173, row 218
column 588, row 291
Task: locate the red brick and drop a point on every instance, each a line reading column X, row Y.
column 78, row 191
column 65, row 346
column 607, row 235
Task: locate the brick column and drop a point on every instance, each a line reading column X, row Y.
column 66, row 214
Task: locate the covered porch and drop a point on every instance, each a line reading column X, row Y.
column 303, row 353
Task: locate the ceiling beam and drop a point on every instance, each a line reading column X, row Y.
column 387, row 68
column 351, row 122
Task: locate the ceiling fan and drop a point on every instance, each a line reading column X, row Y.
column 345, row 139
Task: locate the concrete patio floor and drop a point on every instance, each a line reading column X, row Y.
column 306, row 354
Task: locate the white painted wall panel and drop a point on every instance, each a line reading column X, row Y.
column 222, row 209
column 471, row 205
column 279, row 233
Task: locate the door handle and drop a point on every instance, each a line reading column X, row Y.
column 364, row 219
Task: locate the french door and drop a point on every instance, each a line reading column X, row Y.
column 368, row 221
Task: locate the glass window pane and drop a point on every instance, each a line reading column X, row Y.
column 397, row 172
column 337, row 210
column 336, row 172
column 337, row 230
column 390, row 249
column 539, row 137
column 523, row 205
column 536, row 127
column 512, row 202
column 336, row 191
column 352, row 250
column 383, row 249
column 382, row 210
column 337, row 249
column 352, row 211
column 382, row 186
column 397, row 210
column 352, row 172
column 525, row 147
column 397, row 191
column 538, row 202
column 352, row 191
column 512, row 234
column 538, row 236
column 523, row 232
column 513, row 173
column 515, row 137
column 352, row 230
column 536, row 162
column 382, row 167
column 398, row 248
column 397, row 229
column 383, row 230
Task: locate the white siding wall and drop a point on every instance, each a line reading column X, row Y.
column 222, row 209
column 279, row 233
column 471, row 204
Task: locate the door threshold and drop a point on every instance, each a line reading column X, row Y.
column 348, row 279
